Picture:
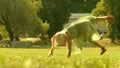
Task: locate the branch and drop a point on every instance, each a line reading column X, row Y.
column 2, row 23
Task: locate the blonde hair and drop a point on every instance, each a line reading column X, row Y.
column 59, row 38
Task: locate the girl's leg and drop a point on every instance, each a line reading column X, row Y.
column 52, row 47
column 102, row 47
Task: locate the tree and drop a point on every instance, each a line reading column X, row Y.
column 82, row 6
column 110, row 7
column 19, row 17
column 3, row 32
column 56, row 13
column 114, row 8
column 100, row 9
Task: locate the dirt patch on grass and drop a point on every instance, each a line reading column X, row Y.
column 105, row 41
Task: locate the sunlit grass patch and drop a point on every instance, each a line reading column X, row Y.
column 37, row 58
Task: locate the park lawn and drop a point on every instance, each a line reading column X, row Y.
column 37, row 58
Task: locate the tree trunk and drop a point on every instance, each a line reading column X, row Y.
column 8, row 28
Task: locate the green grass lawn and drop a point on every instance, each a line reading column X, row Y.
column 37, row 58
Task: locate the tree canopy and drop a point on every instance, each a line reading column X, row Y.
column 20, row 16
column 82, row 6
column 56, row 13
column 110, row 7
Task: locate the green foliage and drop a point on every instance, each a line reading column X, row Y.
column 3, row 32
column 110, row 7
column 45, row 27
column 82, row 6
column 19, row 16
column 44, row 30
column 100, row 9
column 56, row 13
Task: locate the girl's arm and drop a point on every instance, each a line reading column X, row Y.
column 110, row 17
